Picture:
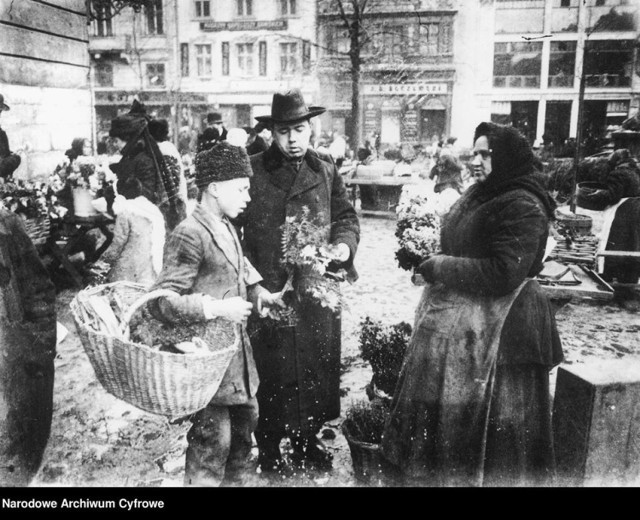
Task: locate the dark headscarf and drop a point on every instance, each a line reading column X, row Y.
column 135, row 125
column 512, row 165
column 76, row 148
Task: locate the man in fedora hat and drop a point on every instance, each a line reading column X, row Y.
column 299, row 366
column 9, row 161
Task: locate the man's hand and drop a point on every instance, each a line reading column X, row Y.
column 234, row 309
column 267, row 300
column 339, row 252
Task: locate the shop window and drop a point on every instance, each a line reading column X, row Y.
column 562, row 63
column 102, row 24
column 104, row 74
column 225, row 58
column 288, row 58
column 244, row 7
column 155, row 75
column 153, row 11
column 288, row 7
column 262, row 58
column 184, row 60
column 517, row 64
column 203, row 60
column 203, row 9
column 565, row 3
column 245, row 58
column 608, row 63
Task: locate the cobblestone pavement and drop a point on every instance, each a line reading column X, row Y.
column 98, row 440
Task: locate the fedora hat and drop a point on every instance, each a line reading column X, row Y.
column 3, row 105
column 214, row 117
column 289, row 107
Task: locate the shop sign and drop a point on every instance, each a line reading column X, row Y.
column 245, row 25
column 404, row 88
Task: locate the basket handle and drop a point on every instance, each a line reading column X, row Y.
column 159, row 293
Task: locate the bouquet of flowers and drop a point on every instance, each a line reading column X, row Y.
column 417, row 231
column 28, row 199
column 306, row 256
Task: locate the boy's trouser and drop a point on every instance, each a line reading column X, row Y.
column 220, row 443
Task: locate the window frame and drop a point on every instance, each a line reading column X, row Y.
column 99, row 73
column 244, row 8
column 199, row 5
column 285, row 8
column 158, row 65
column 245, row 59
column 202, row 59
column 154, row 12
column 286, row 58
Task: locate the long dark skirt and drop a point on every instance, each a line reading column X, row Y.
column 519, row 450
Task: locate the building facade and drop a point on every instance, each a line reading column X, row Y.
column 134, row 55
column 44, row 77
column 235, row 54
column 540, row 49
column 407, row 77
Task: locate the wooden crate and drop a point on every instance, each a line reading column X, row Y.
column 596, row 421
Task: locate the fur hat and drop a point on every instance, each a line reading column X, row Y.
column 222, row 162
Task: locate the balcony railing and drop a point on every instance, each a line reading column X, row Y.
column 607, row 80
column 516, row 81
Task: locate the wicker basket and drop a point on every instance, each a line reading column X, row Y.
column 163, row 383
column 38, row 229
column 368, row 465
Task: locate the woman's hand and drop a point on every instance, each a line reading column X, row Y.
column 426, row 269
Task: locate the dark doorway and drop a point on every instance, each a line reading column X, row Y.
column 524, row 116
column 432, row 122
column 557, row 123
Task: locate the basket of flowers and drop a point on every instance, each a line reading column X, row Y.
column 170, row 370
column 30, row 201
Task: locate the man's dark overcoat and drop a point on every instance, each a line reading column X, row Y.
column 299, row 366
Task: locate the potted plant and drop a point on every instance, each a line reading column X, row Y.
column 363, row 427
column 383, row 347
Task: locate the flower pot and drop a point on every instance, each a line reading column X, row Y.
column 366, row 458
column 82, row 203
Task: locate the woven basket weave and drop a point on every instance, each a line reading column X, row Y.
column 163, row 383
column 38, row 229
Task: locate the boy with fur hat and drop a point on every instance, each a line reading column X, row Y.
column 205, row 265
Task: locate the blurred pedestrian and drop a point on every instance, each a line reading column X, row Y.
column 9, row 161
column 159, row 130
column 262, row 140
column 143, row 160
column 27, row 352
column 135, row 254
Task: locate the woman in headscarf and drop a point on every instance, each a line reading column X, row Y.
column 142, row 159
column 472, row 404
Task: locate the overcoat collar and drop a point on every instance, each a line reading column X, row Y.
column 227, row 244
column 309, row 176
